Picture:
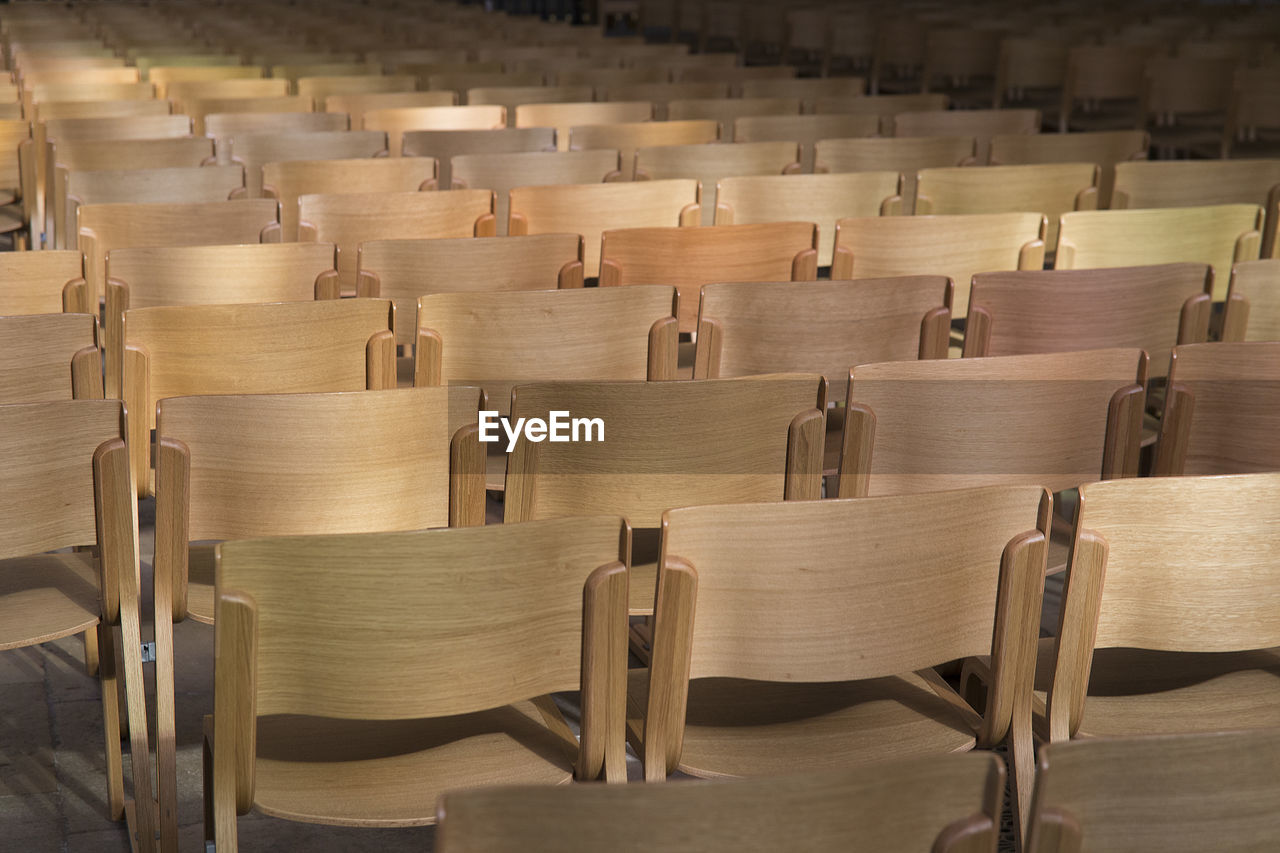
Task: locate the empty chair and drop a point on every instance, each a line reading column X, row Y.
column 707, row 164
column 1219, row 235
column 320, row 88
column 1109, row 79
column 198, row 109
column 885, row 107
column 398, row 121
column 255, row 150
column 982, row 125
column 50, row 357
column 511, row 97
column 735, row 76
column 590, row 210
column 443, row 145
column 956, row 246
column 266, row 87
column 821, row 199
column 289, row 180
column 851, row 809
column 459, row 82
column 660, row 94
column 164, row 77
column 692, row 257
column 42, row 283
column 627, row 138
column 808, row 90
column 1254, row 110
column 565, row 116
column 503, row 172
column 961, row 61
column 805, row 129
column 906, row 156
column 1103, row 148
column 45, row 110
column 728, row 110
column 1253, row 302
column 356, row 105
column 1029, row 72
column 224, row 126
column 1185, row 100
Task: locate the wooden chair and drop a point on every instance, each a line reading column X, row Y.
column 443, row 145
column 821, row 199
column 1175, row 793
column 1219, row 235
column 348, row 220
column 982, row 125
column 511, row 97
column 628, row 138
column 199, row 108
column 1109, row 79
column 1254, row 110
column 1051, row 189
column 943, row 798
column 459, row 82
column 50, row 357
column 1030, row 71
column 1184, row 102
column 956, row 246
column 288, row 181
column 396, row 122
column 1253, row 302
column 837, row 669
column 356, row 105
column 728, row 110
column 708, row 164
column 19, row 190
column 565, row 116
column 589, row 210
column 906, row 156
column 660, row 94
column 166, row 77
column 494, row 722
column 266, row 87
column 1221, row 412
column 808, row 90
column 65, row 482
column 254, row 151
column 293, row 72
column 42, row 283
column 1103, row 148
column 960, row 60
column 45, row 110
column 883, row 106
column 503, row 172
column 735, row 76
column 212, row 484
column 804, row 129
column 613, row 78
column 224, row 127
column 321, row 88
column 690, row 258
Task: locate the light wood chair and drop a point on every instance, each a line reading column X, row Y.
column 956, row 246
column 288, row 181
column 19, row 189
column 804, row 129
column 660, row 94
column 1184, row 102
column 1252, row 113
column 348, row 220
column 837, row 669
column 613, row 78
column 42, row 283
column 1109, row 80
column 883, row 106
column 565, row 116
column 356, row 105
column 494, row 722
column 65, row 482
column 808, row 90
column 254, row 151
column 905, row 155
column 199, row 108
column 728, row 110
column 708, row 164
column 1220, row 235
column 225, row 128
column 821, row 199
column 1030, row 70
column 50, row 357
column 961, row 60
column 1253, row 302
column 1174, row 793
column 943, row 798
column 181, row 92
column 627, row 138
column 160, row 66
column 692, row 257
column 1105, row 148
column 45, row 110
column 735, row 76
column 591, row 209
column 293, row 72
column 458, row 82
column 398, row 121
column 503, row 172
column 443, row 145
column 982, row 125
column 165, row 77
column 321, row 88
column 511, row 97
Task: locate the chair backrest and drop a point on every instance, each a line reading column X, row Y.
column 1029, row 311
column 1056, row 420
column 982, row 125
column 42, row 283
column 320, row 88
column 511, row 97
column 803, row 129
column 1217, row 234
column 164, row 77
column 660, row 94
column 708, row 164
column 267, row 348
column 49, row 357
column 1175, row 793
column 883, row 106
column 728, row 110
column 1103, row 72
column 459, row 82
column 692, row 257
column 255, row 150
column 1028, row 62
column 1103, row 148
column 295, row 71
column 1186, row 86
column 356, row 105
column 1222, row 410
column 592, row 209
column 613, row 78
column 821, row 199
column 503, row 172
column 905, row 155
column 735, row 76
column 627, row 137
column 658, row 445
column 445, row 144
column 594, row 334
column 904, row 806
column 289, row 180
column 1156, row 564
column 232, row 126
column 1253, row 302
column 397, row 121
column 565, row 116
column 266, row 87
column 753, row 328
column 957, row 246
column 46, row 110
column 198, row 108
column 808, row 90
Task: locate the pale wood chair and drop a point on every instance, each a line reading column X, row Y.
column 562, row 117
column 347, row 220
column 807, row 130
column 293, row 72
column 511, row 97
column 443, row 145
column 37, row 93
column 628, row 137
column 1220, row 235
column 957, row 246
column 410, row 471
column 982, row 125
column 199, row 108
column 1253, row 302
column 288, row 181
column 1105, row 148
column 821, row 199
column 50, row 357
column 946, row 801
column 735, row 76
column 1253, row 114
column 19, row 190
column 225, row 128
column 808, row 90
column 495, row 722
column 42, row 283
column 163, row 78
column 1172, row 793
column 708, row 164
column 356, row 105
column 961, row 60
column 396, row 122
column 613, row 78
column 458, row 82
column 80, row 494
column 160, row 66
column 883, row 106
column 503, row 172
column 44, row 110
column 181, row 92
column 321, row 88
column 728, row 110
column 660, row 94
column 591, row 209
column 1030, row 70
column 837, row 669
column 1184, row 102
column 692, row 257
column 905, row 155
column 1109, row 80
column 255, row 150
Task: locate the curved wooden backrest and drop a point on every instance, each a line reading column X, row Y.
column 906, row 155
column 49, row 357
column 118, row 127
column 809, row 90
column 1219, row 235
column 164, row 77
column 957, row 246
column 510, row 97
column 628, row 137
column 42, row 283
column 397, row 121
column 804, row 129
column 80, row 76
column 404, row 270
column 503, row 172
column 565, row 116
column 728, row 110
column 1028, row 62
column 182, row 91
column 752, row 328
column 692, row 257
column 903, row 806
column 1056, row 420
column 48, row 110
column 287, row 181
column 445, row 144
column 884, row 106
column 223, row 126
column 255, row 150
column 60, row 92
column 1253, row 302
column 356, row 105
column 980, row 124
column 320, row 88
column 294, row 71
column 707, row 164
column 735, row 76
column 821, row 199
column 612, row 78
column 459, row 82
column 592, row 209
column 668, row 444
column 660, row 94
column 198, row 108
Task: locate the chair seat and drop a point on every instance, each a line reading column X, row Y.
column 751, row 728
column 47, row 596
column 200, row 583
column 390, row 773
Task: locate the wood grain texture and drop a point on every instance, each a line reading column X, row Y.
column 511, row 97
column 49, row 357
column 356, row 105
column 198, row 108
column 395, row 122
column 883, row 106
column 658, row 93
column 1253, row 302
column 628, row 137
column 166, row 78
column 181, row 91
column 44, row 110
column 40, row 282
column 504, row 172
column 804, row 129
column 255, row 150
column 224, row 126
column 808, row 90
column 319, row 88
column 728, row 110
column 906, row 155
column 445, row 144
column 1103, row 148
column 708, row 164
column 980, row 124
column 288, row 181
column 565, row 116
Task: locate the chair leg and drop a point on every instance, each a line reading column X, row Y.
column 166, row 735
column 210, row 834
column 1022, row 759
column 111, row 721
column 91, row 652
